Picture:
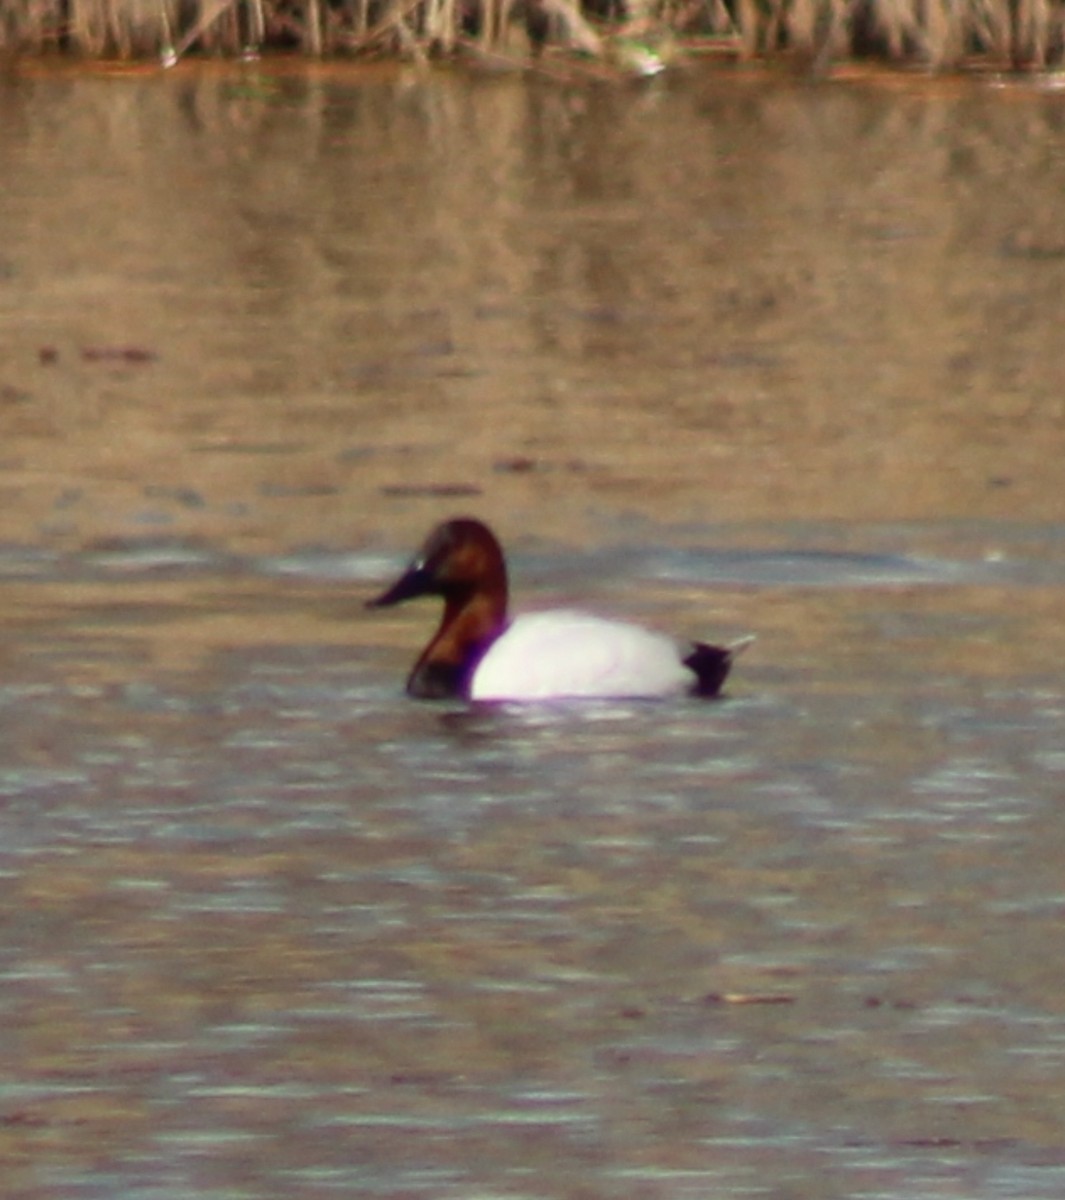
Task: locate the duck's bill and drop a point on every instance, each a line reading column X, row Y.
column 414, row 582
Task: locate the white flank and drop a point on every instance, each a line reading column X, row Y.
column 572, row 654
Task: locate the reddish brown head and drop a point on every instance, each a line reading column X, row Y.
column 461, row 561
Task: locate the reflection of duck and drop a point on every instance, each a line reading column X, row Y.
column 541, row 656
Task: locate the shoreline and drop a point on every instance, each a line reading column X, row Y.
column 546, row 38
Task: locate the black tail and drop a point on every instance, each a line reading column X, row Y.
column 712, row 664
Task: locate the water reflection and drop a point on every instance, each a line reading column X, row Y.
column 723, row 355
column 671, row 257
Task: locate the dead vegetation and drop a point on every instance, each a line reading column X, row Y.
column 635, row 37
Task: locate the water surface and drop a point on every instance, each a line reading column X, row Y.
column 726, row 354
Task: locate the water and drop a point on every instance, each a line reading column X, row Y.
column 725, row 355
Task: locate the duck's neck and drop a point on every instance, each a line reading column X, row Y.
column 471, row 623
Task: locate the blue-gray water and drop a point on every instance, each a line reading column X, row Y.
column 723, row 355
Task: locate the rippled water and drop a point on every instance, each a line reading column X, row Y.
column 272, row 930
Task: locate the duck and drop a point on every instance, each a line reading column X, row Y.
column 478, row 653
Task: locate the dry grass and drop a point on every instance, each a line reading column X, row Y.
column 939, row 33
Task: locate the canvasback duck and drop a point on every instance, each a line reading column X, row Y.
column 476, row 653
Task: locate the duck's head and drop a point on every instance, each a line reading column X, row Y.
column 460, row 559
